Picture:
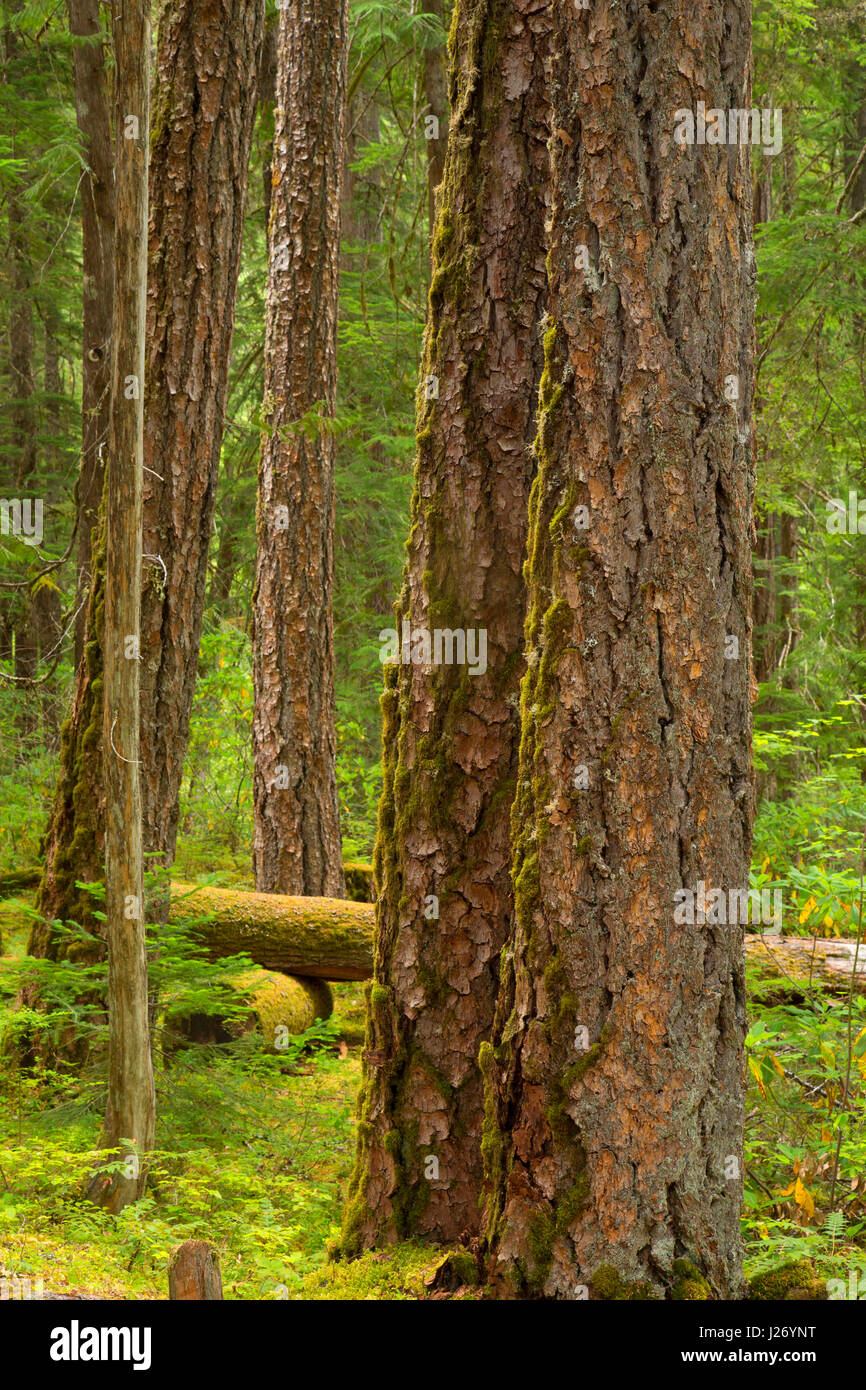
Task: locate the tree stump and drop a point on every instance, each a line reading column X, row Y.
column 194, row 1272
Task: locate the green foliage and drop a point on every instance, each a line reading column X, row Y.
column 253, row 1148
column 805, row 1196
column 809, row 845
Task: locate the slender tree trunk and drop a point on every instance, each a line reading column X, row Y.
column 436, row 96
column 296, row 836
column 615, row 1078
column 450, row 737
column 46, row 601
column 855, row 179
column 97, row 254
column 130, row 1111
column 360, row 210
column 206, row 87
column 788, row 586
column 22, row 410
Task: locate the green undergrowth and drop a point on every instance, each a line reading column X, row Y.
column 398, row 1273
column 252, row 1154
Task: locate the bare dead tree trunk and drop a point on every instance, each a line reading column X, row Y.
column 442, row 861
column 130, row 1112
column 296, row 836
column 615, row 1076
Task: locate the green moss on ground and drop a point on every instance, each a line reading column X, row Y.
column 396, row 1274
column 791, row 1282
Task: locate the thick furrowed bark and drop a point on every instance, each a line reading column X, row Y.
column 615, row 1091
column 450, row 736
column 207, row 69
column 205, row 96
column 296, row 837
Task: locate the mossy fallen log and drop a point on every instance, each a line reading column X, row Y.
column 787, row 967
column 329, row 938
column 14, row 880
column 282, row 1006
column 795, row 1282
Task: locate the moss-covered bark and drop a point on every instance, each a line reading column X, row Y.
column 204, row 110
column 93, row 114
column 450, row 737
column 74, row 838
column 614, row 1107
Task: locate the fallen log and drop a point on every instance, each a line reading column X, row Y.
column 329, row 938
column 789, row 966
column 14, row 880
column 282, row 1006
column 332, row 938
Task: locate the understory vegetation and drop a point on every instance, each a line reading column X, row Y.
column 254, row 1146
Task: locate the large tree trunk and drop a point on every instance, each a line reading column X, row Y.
column 296, row 835
column 450, row 736
column 130, row 1111
column 206, row 88
column 614, row 1085
column 97, row 256
column 207, row 66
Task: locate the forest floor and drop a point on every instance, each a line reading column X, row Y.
column 253, row 1152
